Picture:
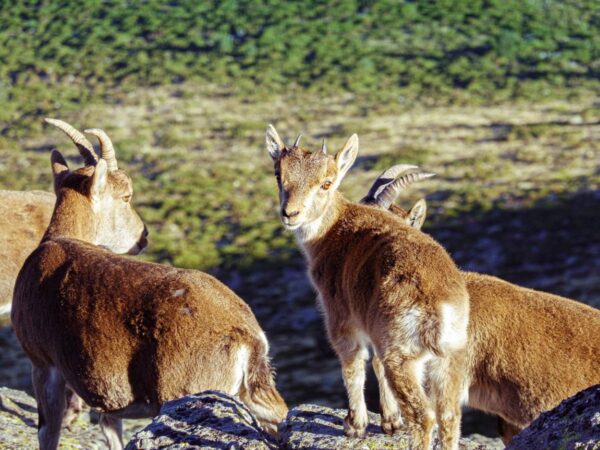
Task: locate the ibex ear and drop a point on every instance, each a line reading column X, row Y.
column 59, row 168
column 346, row 157
column 99, row 179
column 275, row 144
column 59, row 164
column 416, row 215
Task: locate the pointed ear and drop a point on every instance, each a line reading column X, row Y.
column 416, row 215
column 345, row 158
column 59, row 168
column 275, row 144
column 99, row 179
column 59, row 164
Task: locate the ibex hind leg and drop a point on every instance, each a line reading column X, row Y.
column 49, row 388
column 391, row 420
column 112, row 429
column 404, row 376
column 507, row 430
column 447, row 383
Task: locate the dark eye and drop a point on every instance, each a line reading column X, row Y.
column 326, row 185
column 126, row 198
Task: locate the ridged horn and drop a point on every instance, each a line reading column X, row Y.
column 106, row 148
column 385, row 178
column 297, row 143
column 85, row 147
column 390, row 192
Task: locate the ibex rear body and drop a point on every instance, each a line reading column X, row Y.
column 383, row 284
column 127, row 335
column 24, row 217
column 527, row 350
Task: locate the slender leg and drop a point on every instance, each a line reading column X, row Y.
column 447, row 384
column 507, row 430
column 404, row 373
column 49, row 388
column 352, row 357
column 391, row 419
column 112, row 429
column 75, row 406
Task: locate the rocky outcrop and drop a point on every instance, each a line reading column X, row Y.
column 311, row 427
column 574, row 424
column 207, row 420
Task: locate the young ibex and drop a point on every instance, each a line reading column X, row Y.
column 380, row 283
column 527, row 350
column 24, row 217
column 127, row 335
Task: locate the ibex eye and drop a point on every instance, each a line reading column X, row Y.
column 126, row 198
column 326, row 185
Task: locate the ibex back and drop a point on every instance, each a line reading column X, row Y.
column 381, row 283
column 127, row 335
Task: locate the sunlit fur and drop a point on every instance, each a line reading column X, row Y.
column 24, row 217
column 123, row 334
column 527, row 350
column 382, row 284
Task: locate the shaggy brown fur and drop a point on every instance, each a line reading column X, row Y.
column 380, row 283
column 127, row 335
column 24, row 217
column 527, row 350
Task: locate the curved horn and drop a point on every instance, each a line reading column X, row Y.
column 385, row 178
column 106, row 148
column 324, row 147
column 297, row 141
column 85, row 147
column 389, row 193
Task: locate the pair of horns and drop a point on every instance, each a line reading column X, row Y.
column 391, row 182
column 84, row 146
column 323, row 147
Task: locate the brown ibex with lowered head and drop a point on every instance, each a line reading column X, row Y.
column 123, row 334
column 24, row 217
column 383, row 284
column 526, row 350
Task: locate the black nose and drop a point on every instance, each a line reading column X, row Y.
column 145, row 231
column 289, row 214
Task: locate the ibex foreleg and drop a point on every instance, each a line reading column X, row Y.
column 352, row 355
column 49, row 388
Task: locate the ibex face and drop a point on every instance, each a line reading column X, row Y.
column 101, row 193
column 307, row 181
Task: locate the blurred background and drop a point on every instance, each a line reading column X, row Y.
column 500, row 98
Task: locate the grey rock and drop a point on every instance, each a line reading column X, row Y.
column 208, row 420
column 312, row 427
column 574, row 424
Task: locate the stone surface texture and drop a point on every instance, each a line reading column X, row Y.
column 312, row 427
column 574, row 424
column 207, row 420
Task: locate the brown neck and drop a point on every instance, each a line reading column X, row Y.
column 72, row 218
column 310, row 235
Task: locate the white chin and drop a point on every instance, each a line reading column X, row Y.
column 292, row 227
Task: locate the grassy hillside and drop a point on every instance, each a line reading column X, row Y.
column 59, row 55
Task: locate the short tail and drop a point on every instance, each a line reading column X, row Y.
column 259, row 392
